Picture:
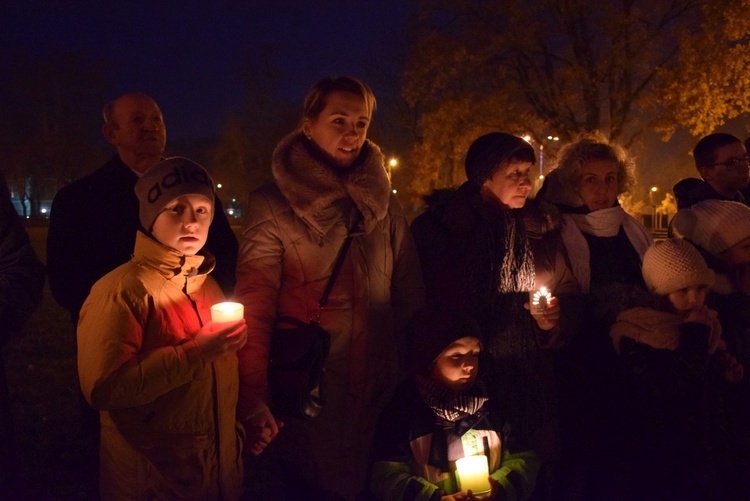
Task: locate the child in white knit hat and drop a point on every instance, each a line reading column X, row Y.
column 674, row 271
column 721, row 231
column 672, row 363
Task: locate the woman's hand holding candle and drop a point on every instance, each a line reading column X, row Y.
column 550, row 316
column 544, row 307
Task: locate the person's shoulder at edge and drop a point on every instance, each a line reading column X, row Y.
column 113, row 174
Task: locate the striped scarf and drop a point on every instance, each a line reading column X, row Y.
column 450, row 405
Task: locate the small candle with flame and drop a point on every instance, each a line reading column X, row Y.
column 473, row 474
column 538, row 300
column 223, row 314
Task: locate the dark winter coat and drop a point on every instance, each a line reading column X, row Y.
column 21, row 283
column 21, row 272
column 93, row 222
column 670, row 389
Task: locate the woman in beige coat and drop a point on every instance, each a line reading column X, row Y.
column 328, row 179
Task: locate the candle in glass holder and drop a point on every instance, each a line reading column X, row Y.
column 538, row 300
column 473, row 474
column 223, row 314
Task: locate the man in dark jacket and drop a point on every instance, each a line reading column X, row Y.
column 94, row 220
column 721, row 160
column 21, row 282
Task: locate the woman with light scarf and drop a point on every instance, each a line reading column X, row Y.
column 604, row 247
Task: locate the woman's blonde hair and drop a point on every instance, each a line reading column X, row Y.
column 594, row 146
column 317, row 96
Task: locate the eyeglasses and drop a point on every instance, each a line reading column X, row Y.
column 734, row 163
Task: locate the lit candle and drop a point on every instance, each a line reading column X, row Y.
column 473, row 474
column 223, row 314
column 539, row 300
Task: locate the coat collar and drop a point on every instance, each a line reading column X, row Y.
column 171, row 264
column 311, row 186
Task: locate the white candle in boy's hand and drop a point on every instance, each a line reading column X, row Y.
column 473, row 474
column 226, row 313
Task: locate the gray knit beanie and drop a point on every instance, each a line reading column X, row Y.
column 674, row 264
column 488, row 152
column 169, row 179
column 714, row 225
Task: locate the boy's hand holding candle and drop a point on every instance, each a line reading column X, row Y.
column 226, row 333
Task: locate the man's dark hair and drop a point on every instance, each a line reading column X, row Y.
column 704, row 152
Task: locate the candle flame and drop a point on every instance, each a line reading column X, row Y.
column 542, row 296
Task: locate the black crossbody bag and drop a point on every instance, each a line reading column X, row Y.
column 299, row 351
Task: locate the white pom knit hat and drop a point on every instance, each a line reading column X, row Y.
column 674, row 264
column 714, row 225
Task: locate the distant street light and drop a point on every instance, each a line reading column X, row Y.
column 392, row 164
column 651, row 192
column 531, row 140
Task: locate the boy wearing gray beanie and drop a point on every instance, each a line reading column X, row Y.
column 163, row 377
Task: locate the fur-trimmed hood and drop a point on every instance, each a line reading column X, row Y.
column 310, row 185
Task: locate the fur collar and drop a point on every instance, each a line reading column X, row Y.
column 310, row 185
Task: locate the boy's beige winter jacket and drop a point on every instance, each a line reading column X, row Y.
column 169, row 427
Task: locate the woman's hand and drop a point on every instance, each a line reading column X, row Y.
column 550, row 315
column 261, row 430
column 215, row 344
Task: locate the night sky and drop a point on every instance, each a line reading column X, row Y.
column 193, row 57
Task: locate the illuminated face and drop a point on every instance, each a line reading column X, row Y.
column 728, row 179
column 688, row 298
column 738, row 254
column 340, row 129
column 457, row 366
column 138, row 130
column 510, row 184
column 597, row 184
column 183, row 224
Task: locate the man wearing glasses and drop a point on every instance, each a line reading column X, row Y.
column 722, row 161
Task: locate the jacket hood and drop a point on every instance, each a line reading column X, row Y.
column 556, row 191
column 310, row 185
column 690, row 191
column 172, row 264
column 541, row 217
